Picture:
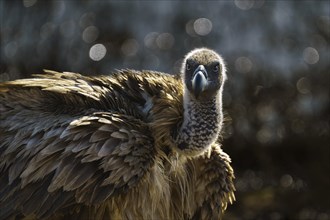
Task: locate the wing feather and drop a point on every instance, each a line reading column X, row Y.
column 73, row 146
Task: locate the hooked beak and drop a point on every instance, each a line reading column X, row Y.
column 199, row 81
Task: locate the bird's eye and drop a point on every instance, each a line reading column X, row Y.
column 216, row 68
column 188, row 67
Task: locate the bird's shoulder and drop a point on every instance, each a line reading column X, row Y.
column 126, row 91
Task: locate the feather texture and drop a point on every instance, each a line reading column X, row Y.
column 80, row 147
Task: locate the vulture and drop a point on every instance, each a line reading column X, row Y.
column 129, row 145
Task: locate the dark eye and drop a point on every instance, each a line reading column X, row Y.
column 188, row 66
column 216, row 68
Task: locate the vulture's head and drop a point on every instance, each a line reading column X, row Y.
column 203, row 74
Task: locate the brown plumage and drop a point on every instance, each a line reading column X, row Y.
column 132, row 145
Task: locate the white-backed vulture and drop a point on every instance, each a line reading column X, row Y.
column 131, row 145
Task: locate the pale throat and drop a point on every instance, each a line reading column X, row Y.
column 201, row 123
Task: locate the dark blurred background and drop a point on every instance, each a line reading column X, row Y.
column 276, row 99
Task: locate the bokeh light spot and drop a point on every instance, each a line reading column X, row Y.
column 29, row 3
column 130, row 47
column 265, row 113
column 203, row 26
column 264, row 135
column 303, row 85
column 87, row 19
column 11, row 49
column 165, row 41
column 150, row 40
column 310, row 55
column 244, row 4
column 190, row 28
column 90, row 34
column 286, row 181
column 243, row 65
column 97, row 52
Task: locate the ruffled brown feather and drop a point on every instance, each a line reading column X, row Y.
column 80, row 147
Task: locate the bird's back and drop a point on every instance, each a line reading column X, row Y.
column 63, row 134
column 128, row 92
